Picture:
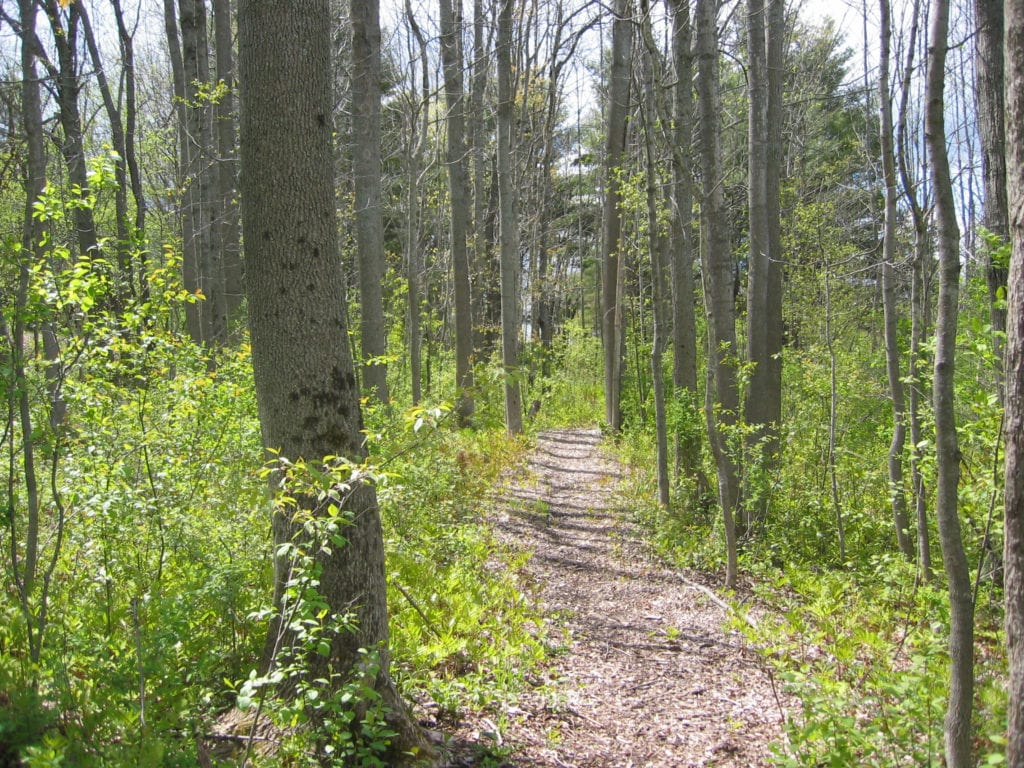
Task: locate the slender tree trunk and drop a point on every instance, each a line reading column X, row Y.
column 757, row 207
column 305, row 379
column 615, row 142
column 366, row 169
column 201, row 203
column 684, row 326
column 988, row 80
column 659, row 281
column 961, row 638
column 451, row 55
column 189, row 253
column 227, row 160
column 118, row 142
column 897, row 492
column 414, row 258
column 774, row 327
column 1013, row 557
column 66, row 42
column 918, row 301
column 717, row 271
column 509, row 226
column 481, row 269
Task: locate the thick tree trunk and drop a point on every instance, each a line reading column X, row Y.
column 1013, row 558
column 717, row 272
column 305, row 379
column 897, row 491
column 961, row 638
column 366, row 169
column 458, row 192
column 509, row 226
column 615, row 142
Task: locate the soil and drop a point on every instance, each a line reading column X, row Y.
column 651, row 674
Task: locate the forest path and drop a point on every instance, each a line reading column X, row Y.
column 649, row 676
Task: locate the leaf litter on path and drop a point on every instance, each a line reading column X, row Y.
column 651, row 676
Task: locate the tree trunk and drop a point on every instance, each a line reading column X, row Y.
column 757, row 263
column 414, row 259
column 615, row 142
column 961, row 637
column 451, row 55
column 509, row 226
column 659, row 282
column 918, row 303
column 189, row 254
column 227, row 160
column 775, row 331
column 366, row 169
column 988, row 80
column 200, row 177
column 717, row 272
column 305, row 379
column 897, row 492
column 684, row 326
column 1013, row 558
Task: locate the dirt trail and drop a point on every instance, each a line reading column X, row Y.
column 650, row 677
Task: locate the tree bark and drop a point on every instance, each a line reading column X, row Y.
column 615, row 142
column 957, row 732
column 1013, row 558
column 659, row 282
column 201, row 210
column 897, row 492
column 366, row 169
column 302, row 363
column 722, row 402
column 227, row 161
column 988, row 80
column 684, row 326
column 451, row 55
column 414, row 259
column 509, row 264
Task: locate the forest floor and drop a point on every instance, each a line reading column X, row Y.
column 651, row 674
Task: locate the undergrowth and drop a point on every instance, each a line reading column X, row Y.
column 157, row 605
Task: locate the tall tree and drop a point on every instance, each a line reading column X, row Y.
column 226, row 130
column 684, row 328
column 1014, row 424
column 418, row 131
column 722, row 402
column 897, row 492
column 305, row 379
column 765, row 75
column 961, row 631
column 657, row 246
column 612, row 267
column 458, row 193
column 509, row 265
column 366, row 89
column 988, row 81
column 201, row 169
